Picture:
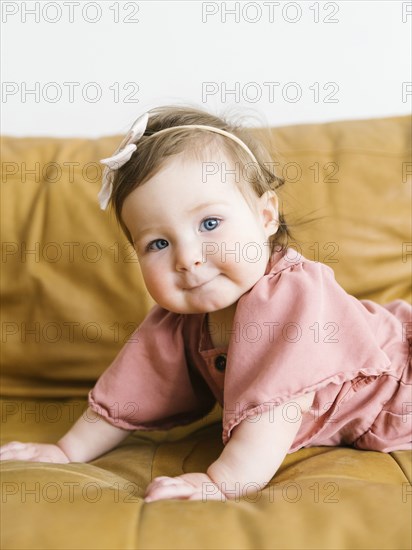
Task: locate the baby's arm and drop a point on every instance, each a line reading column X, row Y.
column 257, row 449
column 249, row 460
column 90, row 437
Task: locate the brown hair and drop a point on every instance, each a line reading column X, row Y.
column 152, row 151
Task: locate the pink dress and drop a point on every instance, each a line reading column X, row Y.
column 296, row 330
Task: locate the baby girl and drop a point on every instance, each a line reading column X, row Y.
column 240, row 318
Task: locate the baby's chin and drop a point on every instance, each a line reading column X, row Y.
column 190, row 310
column 193, row 308
column 209, row 298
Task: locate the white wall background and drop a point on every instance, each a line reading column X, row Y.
column 79, row 68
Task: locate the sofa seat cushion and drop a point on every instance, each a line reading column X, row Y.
column 321, row 497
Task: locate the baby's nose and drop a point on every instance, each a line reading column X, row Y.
column 189, row 258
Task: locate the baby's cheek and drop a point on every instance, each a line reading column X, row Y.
column 154, row 281
column 155, row 285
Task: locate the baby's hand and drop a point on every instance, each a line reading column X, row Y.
column 195, row 486
column 33, row 452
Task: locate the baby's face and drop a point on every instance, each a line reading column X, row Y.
column 199, row 244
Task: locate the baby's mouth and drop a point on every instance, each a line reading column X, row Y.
column 195, row 287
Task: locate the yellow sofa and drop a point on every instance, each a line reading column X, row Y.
column 72, row 293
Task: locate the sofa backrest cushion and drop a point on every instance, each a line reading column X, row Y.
column 72, row 291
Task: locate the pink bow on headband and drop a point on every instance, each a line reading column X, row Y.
column 120, row 157
column 127, row 148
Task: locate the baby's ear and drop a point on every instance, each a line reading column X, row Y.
column 269, row 210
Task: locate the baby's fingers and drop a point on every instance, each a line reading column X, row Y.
column 11, row 445
column 163, row 488
column 15, row 450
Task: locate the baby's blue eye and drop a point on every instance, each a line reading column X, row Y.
column 163, row 243
column 211, row 223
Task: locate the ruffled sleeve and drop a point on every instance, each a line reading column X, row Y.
column 149, row 386
column 294, row 332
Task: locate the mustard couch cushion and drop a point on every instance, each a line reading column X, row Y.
column 71, row 287
column 321, row 497
column 82, row 277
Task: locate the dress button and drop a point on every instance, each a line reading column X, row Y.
column 220, row 362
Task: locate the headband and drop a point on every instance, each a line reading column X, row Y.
column 128, row 147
